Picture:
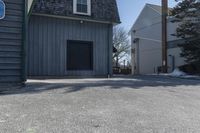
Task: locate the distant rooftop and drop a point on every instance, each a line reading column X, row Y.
column 157, row 8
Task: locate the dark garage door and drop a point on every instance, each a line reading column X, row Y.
column 79, row 55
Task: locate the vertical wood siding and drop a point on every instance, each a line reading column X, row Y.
column 11, row 42
column 47, row 46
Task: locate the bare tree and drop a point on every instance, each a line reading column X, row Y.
column 121, row 43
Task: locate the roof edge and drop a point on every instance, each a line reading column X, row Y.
column 150, row 5
column 75, row 18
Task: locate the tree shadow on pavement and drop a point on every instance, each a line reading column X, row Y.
column 136, row 82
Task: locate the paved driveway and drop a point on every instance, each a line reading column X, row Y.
column 143, row 104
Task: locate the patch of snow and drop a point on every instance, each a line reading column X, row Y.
column 177, row 73
column 192, row 9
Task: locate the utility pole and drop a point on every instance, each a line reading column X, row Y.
column 164, row 35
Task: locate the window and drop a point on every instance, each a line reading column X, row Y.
column 82, row 7
column 79, row 55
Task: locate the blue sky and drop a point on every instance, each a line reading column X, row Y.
column 130, row 9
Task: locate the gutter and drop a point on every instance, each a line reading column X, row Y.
column 73, row 18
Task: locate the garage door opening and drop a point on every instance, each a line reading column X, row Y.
column 79, row 55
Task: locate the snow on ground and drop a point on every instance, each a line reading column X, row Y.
column 179, row 74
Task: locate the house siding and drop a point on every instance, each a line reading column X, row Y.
column 149, row 56
column 11, row 40
column 147, row 29
column 148, row 49
column 178, row 60
column 47, row 49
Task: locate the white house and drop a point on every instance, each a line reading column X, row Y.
column 146, row 35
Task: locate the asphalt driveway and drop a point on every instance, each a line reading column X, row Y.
column 142, row 104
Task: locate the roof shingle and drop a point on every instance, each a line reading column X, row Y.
column 101, row 10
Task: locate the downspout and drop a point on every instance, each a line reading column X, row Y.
column 24, row 43
column 26, row 16
column 110, row 50
column 138, row 56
